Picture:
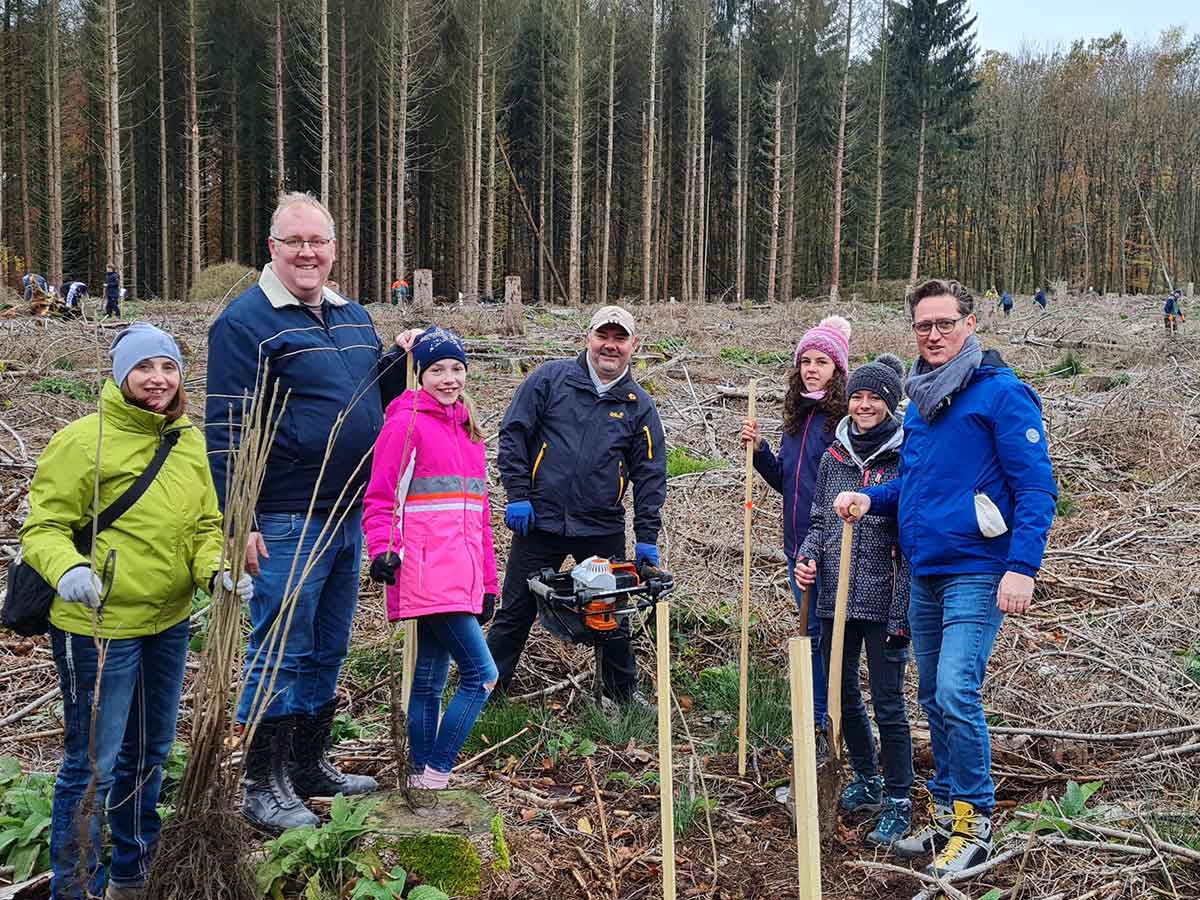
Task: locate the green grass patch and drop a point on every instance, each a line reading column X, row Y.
column 367, row 665
column 668, row 346
column 773, row 358
column 736, row 355
column 1191, row 663
column 631, row 722
column 680, row 462
column 501, row 719
column 223, row 279
column 769, row 717
column 64, row 386
column 690, row 811
column 1068, row 366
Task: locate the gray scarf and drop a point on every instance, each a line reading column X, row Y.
column 932, row 388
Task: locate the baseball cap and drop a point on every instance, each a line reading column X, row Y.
column 612, row 315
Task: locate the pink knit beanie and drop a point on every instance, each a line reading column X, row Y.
column 831, row 337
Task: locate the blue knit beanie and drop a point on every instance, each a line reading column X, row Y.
column 140, row 341
column 435, row 344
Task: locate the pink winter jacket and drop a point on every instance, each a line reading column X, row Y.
column 430, row 488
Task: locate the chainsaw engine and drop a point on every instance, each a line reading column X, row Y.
column 595, row 600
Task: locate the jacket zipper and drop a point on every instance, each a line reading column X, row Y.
column 620, row 479
column 537, row 462
column 649, row 443
column 796, row 475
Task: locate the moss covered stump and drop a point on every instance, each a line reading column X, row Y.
column 435, row 843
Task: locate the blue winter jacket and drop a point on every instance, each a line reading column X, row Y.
column 573, row 453
column 329, row 368
column 794, row 474
column 990, row 439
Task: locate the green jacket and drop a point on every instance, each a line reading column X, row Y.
column 168, row 543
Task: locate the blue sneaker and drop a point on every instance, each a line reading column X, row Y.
column 894, row 823
column 863, row 795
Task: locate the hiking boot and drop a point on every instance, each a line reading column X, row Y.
column 930, row 839
column 894, row 822
column 312, row 774
column 637, row 700
column 862, row 795
column 270, row 801
column 970, row 842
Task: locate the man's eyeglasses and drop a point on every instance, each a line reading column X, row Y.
column 944, row 326
column 295, row 243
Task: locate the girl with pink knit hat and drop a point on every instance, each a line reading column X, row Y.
column 815, row 402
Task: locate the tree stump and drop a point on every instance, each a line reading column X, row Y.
column 423, row 288
column 512, row 322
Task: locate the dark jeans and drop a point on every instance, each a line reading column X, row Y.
column 319, row 635
column 819, row 666
column 111, row 307
column 440, row 637
column 510, row 629
column 135, row 726
column 954, row 620
column 885, row 668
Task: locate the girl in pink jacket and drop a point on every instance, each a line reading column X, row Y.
column 429, row 535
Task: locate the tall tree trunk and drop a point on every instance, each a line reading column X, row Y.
column 883, row 43
column 376, row 257
column 739, row 195
column 133, row 220
column 787, row 269
column 194, row 132
column 280, row 180
column 389, row 169
column 54, row 143
column 356, row 255
column 402, row 140
column 345, row 273
column 773, row 253
column 919, row 201
column 23, row 68
column 701, row 261
column 608, row 168
column 576, row 227
column 112, row 80
column 326, row 132
column 836, row 267
column 476, row 210
column 648, row 178
column 544, row 291
column 235, row 177
column 489, row 255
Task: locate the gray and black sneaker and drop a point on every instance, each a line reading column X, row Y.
column 970, row 842
column 930, row 839
column 862, row 795
column 894, row 822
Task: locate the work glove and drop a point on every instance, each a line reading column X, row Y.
column 383, row 568
column 518, row 516
column 645, row 553
column 896, row 641
column 244, row 587
column 490, row 602
column 81, row 585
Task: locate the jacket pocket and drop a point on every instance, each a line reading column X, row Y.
column 276, row 526
column 537, row 463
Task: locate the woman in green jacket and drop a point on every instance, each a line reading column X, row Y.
column 134, row 594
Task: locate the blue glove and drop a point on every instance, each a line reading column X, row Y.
column 518, row 516
column 645, row 553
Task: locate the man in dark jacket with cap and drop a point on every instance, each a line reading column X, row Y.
column 577, row 435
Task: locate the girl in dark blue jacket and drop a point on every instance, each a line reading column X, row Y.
column 815, row 402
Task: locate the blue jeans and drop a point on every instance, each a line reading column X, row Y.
column 135, row 726
column 820, row 678
column 954, row 621
column 319, row 635
column 440, row 637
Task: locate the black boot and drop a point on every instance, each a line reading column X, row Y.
column 270, row 802
column 313, row 774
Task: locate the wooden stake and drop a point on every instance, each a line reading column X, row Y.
column 839, row 638
column 409, row 666
column 804, row 769
column 744, row 657
column 666, row 776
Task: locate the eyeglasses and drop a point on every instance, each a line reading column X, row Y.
column 944, row 326
column 295, row 243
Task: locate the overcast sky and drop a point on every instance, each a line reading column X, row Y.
column 1006, row 24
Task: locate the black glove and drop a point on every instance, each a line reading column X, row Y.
column 383, row 568
column 896, row 641
column 489, row 609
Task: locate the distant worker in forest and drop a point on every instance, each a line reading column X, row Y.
column 112, row 293
column 399, row 291
column 74, row 293
column 1040, row 298
column 1173, row 311
column 32, row 281
column 1006, row 303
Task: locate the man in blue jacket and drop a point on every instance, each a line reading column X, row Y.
column 579, row 433
column 292, row 341
column 975, row 500
column 112, row 292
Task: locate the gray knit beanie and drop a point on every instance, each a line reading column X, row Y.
column 139, row 341
column 881, row 376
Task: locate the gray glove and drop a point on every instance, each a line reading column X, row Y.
column 81, row 585
column 244, row 587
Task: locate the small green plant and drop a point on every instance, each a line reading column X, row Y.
column 769, row 717
column 173, row 768
column 65, row 363
column 680, row 462
column 1068, row 366
column 1053, row 815
column 502, row 861
column 690, row 810
column 773, row 358
column 735, row 355
column 1064, row 506
column 668, row 346
column 25, row 804
column 346, row 727
column 1191, row 663
column 75, row 388
column 367, row 665
column 567, row 743
column 374, row 884
column 632, row 722
column 312, row 856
